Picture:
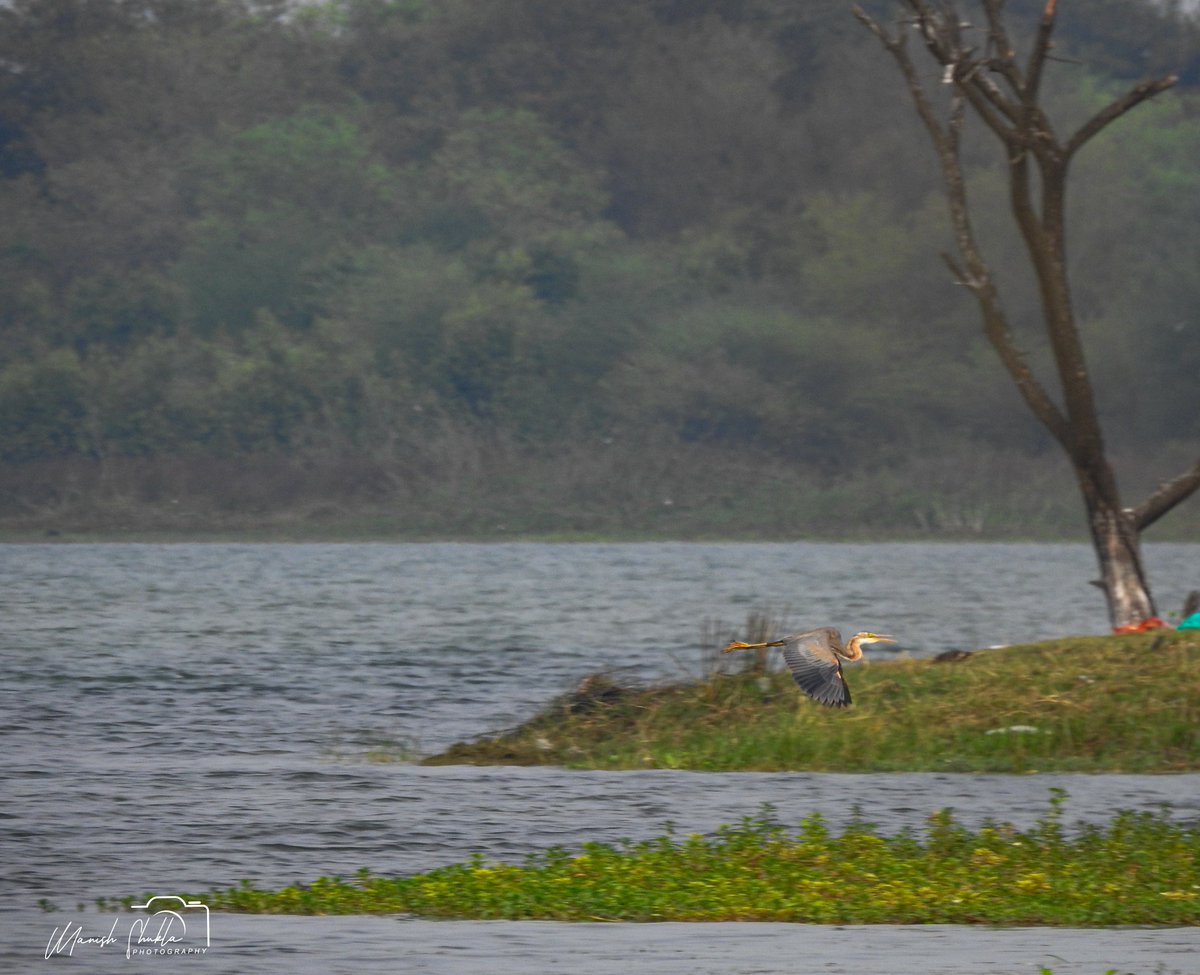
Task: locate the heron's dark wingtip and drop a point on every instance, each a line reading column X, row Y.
column 836, row 696
column 830, row 697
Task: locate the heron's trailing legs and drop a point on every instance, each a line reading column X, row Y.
column 738, row 645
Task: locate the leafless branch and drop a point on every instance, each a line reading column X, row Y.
column 1166, row 497
column 1041, row 48
column 985, row 99
column 1005, row 60
column 1109, row 114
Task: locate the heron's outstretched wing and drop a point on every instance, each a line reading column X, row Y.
column 815, row 667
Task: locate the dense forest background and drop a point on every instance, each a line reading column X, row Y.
column 632, row 266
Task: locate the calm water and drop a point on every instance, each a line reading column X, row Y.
column 181, row 717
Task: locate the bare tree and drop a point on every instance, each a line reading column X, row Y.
column 987, row 79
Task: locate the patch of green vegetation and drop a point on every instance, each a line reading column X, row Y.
column 1082, row 704
column 1139, row 869
column 383, row 751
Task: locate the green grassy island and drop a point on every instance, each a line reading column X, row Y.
column 1080, row 704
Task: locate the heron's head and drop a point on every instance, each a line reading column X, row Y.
column 859, row 640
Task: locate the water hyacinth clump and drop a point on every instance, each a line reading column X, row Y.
column 1139, row 869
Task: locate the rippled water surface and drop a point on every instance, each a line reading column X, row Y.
column 179, row 717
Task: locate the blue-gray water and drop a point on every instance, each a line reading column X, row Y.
column 181, row 717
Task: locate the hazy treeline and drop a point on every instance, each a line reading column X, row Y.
column 591, row 259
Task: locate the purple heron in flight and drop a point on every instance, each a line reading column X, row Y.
column 813, row 657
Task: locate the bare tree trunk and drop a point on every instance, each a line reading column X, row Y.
column 1116, row 539
column 1004, row 94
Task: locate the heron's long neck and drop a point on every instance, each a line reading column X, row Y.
column 853, row 650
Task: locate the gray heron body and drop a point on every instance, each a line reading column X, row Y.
column 815, row 659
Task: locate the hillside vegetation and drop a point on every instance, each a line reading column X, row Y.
column 434, row 266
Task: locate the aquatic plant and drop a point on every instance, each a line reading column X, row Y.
column 1141, row 868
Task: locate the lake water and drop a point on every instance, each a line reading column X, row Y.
column 178, row 717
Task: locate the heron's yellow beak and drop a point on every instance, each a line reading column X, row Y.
column 737, row 645
column 878, row 638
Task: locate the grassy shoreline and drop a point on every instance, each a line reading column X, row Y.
column 472, row 487
column 1080, row 704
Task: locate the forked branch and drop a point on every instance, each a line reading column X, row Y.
column 973, row 273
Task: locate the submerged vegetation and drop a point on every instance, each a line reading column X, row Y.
column 1082, row 704
column 1139, row 869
